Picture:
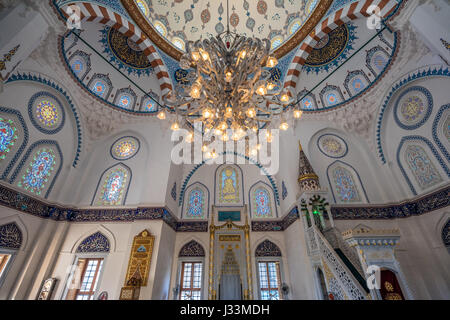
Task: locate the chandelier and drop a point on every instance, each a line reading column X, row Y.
column 230, row 87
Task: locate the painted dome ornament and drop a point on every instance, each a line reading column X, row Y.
column 231, row 86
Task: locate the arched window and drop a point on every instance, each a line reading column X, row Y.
column 262, row 203
column 196, row 204
column 100, row 85
column 268, row 258
column 80, row 63
column 8, row 136
column 125, row 98
column 96, row 242
column 345, row 185
column 39, row 170
column 114, row 186
column 421, row 166
column 10, row 241
column 228, row 185
column 356, row 82
column 331, row 95
column 376, row 60
column 308, row 101
column 191, row 257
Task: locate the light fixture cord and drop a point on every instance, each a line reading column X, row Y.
column 228, row 17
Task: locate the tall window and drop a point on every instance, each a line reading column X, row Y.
column 4, row 259
column 421, row 166
column 269, row 280
column 85, row 279
column 8, row 136
column 261, row 202
column 191, row 281
column 115, row 182
column 38, row 171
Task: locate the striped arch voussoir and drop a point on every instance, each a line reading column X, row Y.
column 350, row 12
column 95, row 13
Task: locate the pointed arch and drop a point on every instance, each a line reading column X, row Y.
column 16, row 219
column 267, row 249
column 34, row 179
column 100, row 85
column 125, row 98
column 80, row 63
column 196, row 204
column 411, row 152
column 96, row 242
column 261, row 201
column 115, row 182
column 10, row 236
column 98, row 229
column 345, row 183
column 11, row 146
column 192, row 249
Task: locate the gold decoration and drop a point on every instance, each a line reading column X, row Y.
column 140, row 257
column 230, row 237
column 391, row 295
column 7, row 57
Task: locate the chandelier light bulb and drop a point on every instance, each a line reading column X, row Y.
column 206, row 113
column 196, row 90
column 243, row 54
column 189, row 137
column 161, row 115
column 218, row 132
column 175, row 126
column 297, row 114
column 271, row 62
column 270, row 86
column 284, row 126
column 204, row 148
column 195, row 56
column 284, row 97
column 204, row 54
column 254, row 152
column 251, row 112
column 223, row 126
column 228, row 76
column 261, row 90
column 225, row 137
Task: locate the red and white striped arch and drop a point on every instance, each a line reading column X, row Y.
column 350, row 12
column 97, row 13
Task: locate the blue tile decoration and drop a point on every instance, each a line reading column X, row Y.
column 192, row 249
column 267, row 249
column 96, row 242
column 10, row 236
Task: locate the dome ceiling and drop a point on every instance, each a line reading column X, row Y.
column 171, row 23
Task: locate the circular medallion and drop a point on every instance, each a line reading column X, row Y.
column 413, row 108
column 125, row 148
column 332, row 146
column 46, row 112
column 261, row 7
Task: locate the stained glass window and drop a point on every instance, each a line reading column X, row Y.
column 196, row 204
column 38, row 171
column 421, row 167
column 143, row 6
column 295, row 26
column 358, row 84
column 99, row 88
column 150, row 105
column 77, row 66
column 345, row 185
column 332, row 98
column 229, row 185
column 47, row 113
column 125, row 101
column 113, row 187
column 191, row 281
column 125, row 148
column 7, row 136
column 261, row 202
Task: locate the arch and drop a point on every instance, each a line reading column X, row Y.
column 331, row 95
column 355, row 82
column 423, row 72
column 119, row 196
column 261, row 185
column 96, row 242
column 22, row 137
column 444, row 114
column 10, row 236
column 94, row 12
column 100, row 85
column 435, row 153
column 252, row 161
column 223, row 190
column 267, row 249
column 98, row 229
column 80, row 62
column 308, row 101
column 348, row 173
column 23, row 161
column 350, row 12
column 192, row 249
column 130, row 96
column 377, row 59
column 204, row 194
column 445, row 234
column 16, row 219
column 149, row 105
column 36, row 77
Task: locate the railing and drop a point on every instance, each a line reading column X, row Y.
column 341, row 281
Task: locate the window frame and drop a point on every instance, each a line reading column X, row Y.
column 77, row 257
column 181, row 262
column 9, row 264
column 279, row 262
